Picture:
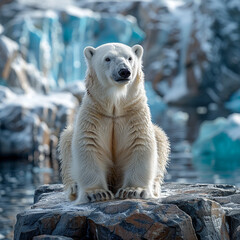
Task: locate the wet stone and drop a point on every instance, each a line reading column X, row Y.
column 185, row 211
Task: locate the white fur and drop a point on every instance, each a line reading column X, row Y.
column 113, row 147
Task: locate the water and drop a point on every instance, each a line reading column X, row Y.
column 18, row 179
column 182, row 133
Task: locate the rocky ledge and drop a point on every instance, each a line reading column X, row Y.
column 185, row 211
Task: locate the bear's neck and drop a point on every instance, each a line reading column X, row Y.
column 117, row 102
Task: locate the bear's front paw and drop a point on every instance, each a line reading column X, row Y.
column 133, row 192
column 72, row 192
column 95, row 196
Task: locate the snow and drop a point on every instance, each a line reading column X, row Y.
column 178, row 89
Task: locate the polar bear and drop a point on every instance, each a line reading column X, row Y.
column 113, row 149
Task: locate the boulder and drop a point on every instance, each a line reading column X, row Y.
column 31, row 123
column 185, row 211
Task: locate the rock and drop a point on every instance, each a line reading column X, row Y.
column 6, row 93
column 30, row 122
column 129, row 219
column 208, row 217
column 16, row 73
column 185, row 211
column 234, row 223
column 50, row 237
column 45, row 189
column 77, row 89
column 218, row 144
column 191, row 47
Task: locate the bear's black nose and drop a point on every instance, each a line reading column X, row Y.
column 124, row 73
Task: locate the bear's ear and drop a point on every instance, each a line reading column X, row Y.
column 138, row 50
column 89, row 52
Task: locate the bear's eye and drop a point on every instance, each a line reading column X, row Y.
column 107, row 59
column 130, row 59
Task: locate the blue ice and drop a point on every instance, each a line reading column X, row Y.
column 54, row 41
column 234, row 103
column 218, row 144
column 155, row 102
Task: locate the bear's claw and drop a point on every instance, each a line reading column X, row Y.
column 132, row 192
column 99, row 195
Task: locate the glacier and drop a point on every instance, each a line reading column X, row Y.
column 53, row 41
column 218, row 144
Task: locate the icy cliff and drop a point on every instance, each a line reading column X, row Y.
column 53, row 40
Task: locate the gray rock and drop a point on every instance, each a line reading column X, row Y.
column 50, row 237
column 185, row 211
column 208, row 217
column 233, row 217
column 77, row 89
column 30, row 124
column 6, row 93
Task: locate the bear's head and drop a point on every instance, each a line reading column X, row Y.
column 114, row 64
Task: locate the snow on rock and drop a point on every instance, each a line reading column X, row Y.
column 77, row 89
column 218, row 144
column 191, row 47
column 6, row 93
column 30, row 123
column 16, row 73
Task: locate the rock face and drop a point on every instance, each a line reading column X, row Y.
column 184, row 212
column 191, row 46
column 30, row 124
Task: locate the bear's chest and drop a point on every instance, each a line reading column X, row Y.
column 114, row 135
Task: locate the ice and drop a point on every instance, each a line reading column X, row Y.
column 53, row 40
column 234, row 103
column 218, row 144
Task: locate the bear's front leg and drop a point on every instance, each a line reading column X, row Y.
column 139, row 175
column 90, row 176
